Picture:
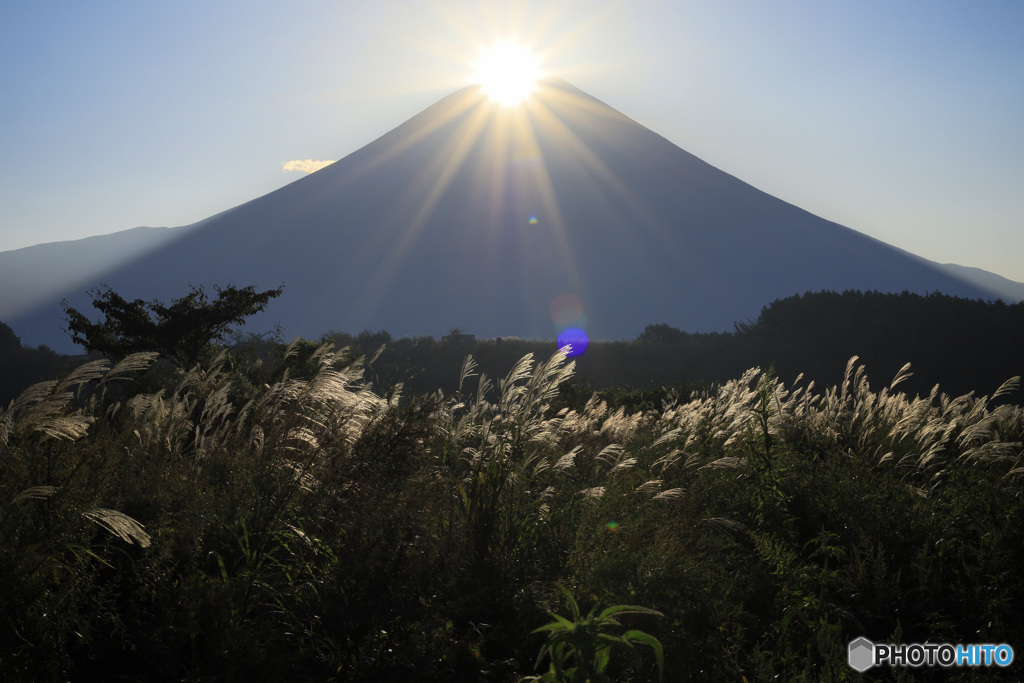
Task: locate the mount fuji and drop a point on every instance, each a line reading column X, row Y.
column 499, row 221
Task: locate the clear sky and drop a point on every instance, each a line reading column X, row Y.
column 903, row 120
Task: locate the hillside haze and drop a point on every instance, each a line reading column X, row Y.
column 498, row 221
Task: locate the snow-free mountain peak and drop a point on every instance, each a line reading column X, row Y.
column 490, row 219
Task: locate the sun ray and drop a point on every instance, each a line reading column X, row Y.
column 431, row 184
column 568, row 102
column 504, row 143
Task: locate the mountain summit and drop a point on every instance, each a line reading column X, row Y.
column 502, row 222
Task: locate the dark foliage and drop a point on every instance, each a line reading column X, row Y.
column 181, row 331
column 959, row 344
column 307, row 529
column 21, row 366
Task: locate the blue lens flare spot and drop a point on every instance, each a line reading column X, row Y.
column 576, row 339
column 532, row 220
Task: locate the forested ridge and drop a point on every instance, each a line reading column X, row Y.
column 960, row 344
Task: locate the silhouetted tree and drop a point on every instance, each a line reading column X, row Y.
column 8, row 340
column 661, row 334
column 21, row 367
column 181, row 331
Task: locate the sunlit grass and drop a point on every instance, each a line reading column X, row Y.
column 302, row 525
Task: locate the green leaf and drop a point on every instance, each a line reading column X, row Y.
column 628, row 609
column 647, row 639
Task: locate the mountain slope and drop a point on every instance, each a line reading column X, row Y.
column 488, row 219
column 1002, row 287
column 35, row 275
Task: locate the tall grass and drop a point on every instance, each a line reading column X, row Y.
column 259, row 523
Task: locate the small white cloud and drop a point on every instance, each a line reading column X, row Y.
column 305, row 165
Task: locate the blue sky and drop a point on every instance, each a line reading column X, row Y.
column 903, row 120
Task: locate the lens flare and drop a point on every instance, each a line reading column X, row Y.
column 567, row 310
column 612, row 526
column 576, row 339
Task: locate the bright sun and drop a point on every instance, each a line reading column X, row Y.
column 508, row 73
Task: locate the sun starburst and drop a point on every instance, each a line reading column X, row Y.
column 508, row 72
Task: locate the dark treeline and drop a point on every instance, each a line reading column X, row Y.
column 962, row 345
column 21, row 366
column 959, row 344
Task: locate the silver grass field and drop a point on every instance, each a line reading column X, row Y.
column 227, row 525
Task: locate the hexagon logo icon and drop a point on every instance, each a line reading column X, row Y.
column 861, row 656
